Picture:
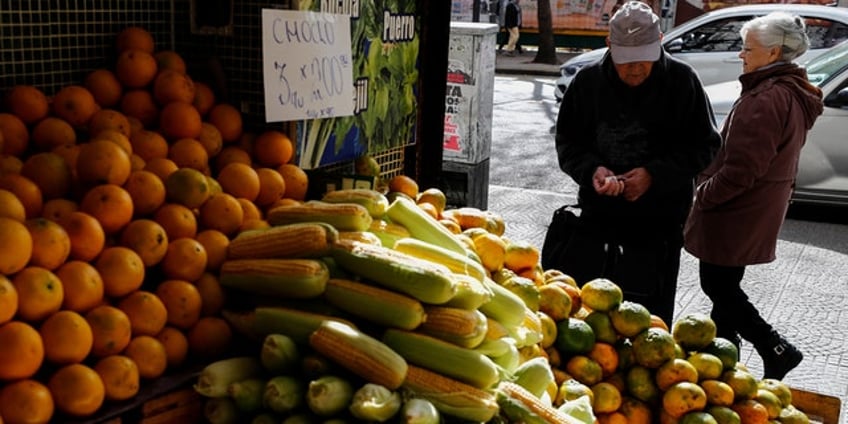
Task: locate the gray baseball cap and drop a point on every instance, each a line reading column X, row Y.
column 634, row 34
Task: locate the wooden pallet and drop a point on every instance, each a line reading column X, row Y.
column 819, row 407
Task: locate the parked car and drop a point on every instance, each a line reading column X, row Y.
column 823, row 166
column 711, row 42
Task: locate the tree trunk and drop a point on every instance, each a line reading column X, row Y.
column 547, row 49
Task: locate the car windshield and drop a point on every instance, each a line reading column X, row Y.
column 821, row 68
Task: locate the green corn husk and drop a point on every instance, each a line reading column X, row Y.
column 419, row 411
column 221, row 410
column 373, row 402
column 535, row 375
column 279, row 354
column 247, row 394
column 283, row 394
column 265, row 418
column 328, row 395
column 300, row 419
column 216, row 377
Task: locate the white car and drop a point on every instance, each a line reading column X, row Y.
column 823, row 167
column 711, row 42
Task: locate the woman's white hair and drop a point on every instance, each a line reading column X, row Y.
column 780, row 29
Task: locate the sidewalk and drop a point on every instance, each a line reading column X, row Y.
column 522, row 63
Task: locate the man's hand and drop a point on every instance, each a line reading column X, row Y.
column 636, row 182
column 606, row 183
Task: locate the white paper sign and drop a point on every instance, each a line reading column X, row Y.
column 307, row 66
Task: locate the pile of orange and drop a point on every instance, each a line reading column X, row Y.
column 118, row 198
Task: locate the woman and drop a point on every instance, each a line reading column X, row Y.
column 742, row 197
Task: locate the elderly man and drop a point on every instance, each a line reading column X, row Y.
column 633, row 130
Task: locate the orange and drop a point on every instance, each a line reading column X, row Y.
column 187, row 187
column 75, row 104
column 52, row 132
column 67, row 337
column 674, row 371
column 245, row 141
column 230, row 154
column 183, row 302
column 147, row 192
column 49, row 172
column 630, row 318
column 554, row 301
column 121, row 269
column 169, row 60
column 149, row 144
column 110, row 204
column 162, row 167
column 743, row 383
column 177, row 220
column 636, row 411
column 584, row 369
column 101, row 161
column 215, row 243
column 11, row 207
column 254, row 224
column 26, row 191
column 404, row 184
column 718, row 392
column 146, row 238
column 86, row 235
column 51, row 244
column 120, row 377
column 135, row 68
column 179, row 119
column 228, row 120
column 134, row 37
column 641, row 385
column 683, row 397
column 240, row 180
column 58, row 209
column 135, row 125
column 77, row 390
column 171, row 85
column 708, row 365
column 221, row 212
column 211, row 139
column 26, row 401
column 606, row 356
column 15, row 134
column 27, row 102
column 601, row 294
column 140, row 104
column 149, row 354
column 9, row 164
column 82, row 285
column 108, row 119
column 40, row 293
column 146, row 312
column 520, row 255
column 184, row 260
column 251, row 211
column 611, row 418
column 606, row 399
column 204, row 98
column 8, row 300
column 272, row 186
column 104, row 86
column 176, row 345
column 694, row 331
column 189, row 153
column 212, row 294
column 210, row 337
column 69, row 152
column 136, row 162
column 111, row 328
column 21, row 350
column 751, row 412
column 273, row 148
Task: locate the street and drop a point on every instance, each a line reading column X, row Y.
column 802, row 293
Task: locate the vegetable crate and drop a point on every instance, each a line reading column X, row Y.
column 466, row 185
column 819, row 407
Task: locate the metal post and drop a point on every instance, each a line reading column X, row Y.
column 475, row 13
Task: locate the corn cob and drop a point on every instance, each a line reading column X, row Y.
column 284, row 278
column 422, row 225
column 216, row 377
column 451, row 396
column 463, row 364
column 426, row 281
column 375, row 202
column 366, row 237
column 470, row 293
column 360, row 353
column 264, row 320
column 377, row 305
column 459, row 263
column 464, row 328
column 505, row 307
column 521, row 405
column 343, row 216
column 300, row 240
column 388, row 232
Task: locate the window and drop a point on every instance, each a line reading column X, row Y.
column 718, row 36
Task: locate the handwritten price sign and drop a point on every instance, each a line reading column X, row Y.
column 307, row 65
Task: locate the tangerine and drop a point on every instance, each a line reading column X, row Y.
column 215, row 243
column 187, row 187
column 149, row 355
column 182, row 301
column 176, row 345
column 52, row 132
column 210, row 337
column 28, row 103
column 185, row 259
column 134, row 38
column 177, row 220
column 171, row 85
column 147, row 239
column 135, row 68
column 146, row 312
column 51, row 244
column 8, row 300
column 21, row 350
column 77, row 390
column 15, row 246
column 75, row 104
column 67, row 338
column 26, row 401
column 179, row 119
column 120, row 377
column 121, row 269
column 104, row 86
column 222, row 212
column 297, row 181
column 147, row 192
column 101, row 161
column 86, row 235
column 694, row 331
column 111, row 328
column 110, row 204
column 139, row 104
column 40, row 293
column 82, row 285
column 228, row 120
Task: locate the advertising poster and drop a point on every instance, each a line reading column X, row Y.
column 384, row 38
